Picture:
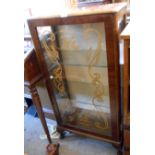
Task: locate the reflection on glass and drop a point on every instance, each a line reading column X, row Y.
column 77, row 63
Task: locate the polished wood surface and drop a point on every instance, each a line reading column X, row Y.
column 32, row 72
column 109, row 14
column 125, row 35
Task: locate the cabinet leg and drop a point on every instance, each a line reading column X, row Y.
column 37, row 103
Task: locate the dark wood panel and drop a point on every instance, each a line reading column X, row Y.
column 127, row 138
column 126, row 91
column 32, row 72
column 114, row 76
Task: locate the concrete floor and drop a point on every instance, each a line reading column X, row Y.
column 70, row 145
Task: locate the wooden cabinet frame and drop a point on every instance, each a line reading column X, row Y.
column 125, row 35
column 112, row 31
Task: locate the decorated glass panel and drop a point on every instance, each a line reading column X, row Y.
column 77, row 63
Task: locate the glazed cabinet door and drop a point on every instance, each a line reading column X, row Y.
column 80, row 61
column 76, row 58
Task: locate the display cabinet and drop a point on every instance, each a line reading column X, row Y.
column 78, row 54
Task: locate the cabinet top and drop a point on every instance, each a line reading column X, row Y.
column 80, row 11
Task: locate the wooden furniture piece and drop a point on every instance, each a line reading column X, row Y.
column 78, row 54
column 40, row 86
column 125, row 35
column 32, row 75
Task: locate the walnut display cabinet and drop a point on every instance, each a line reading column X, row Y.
column 78, row 54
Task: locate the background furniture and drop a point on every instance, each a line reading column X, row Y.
column 30, row 57
column 32, row 75
column 125, row 35
column 78, row 55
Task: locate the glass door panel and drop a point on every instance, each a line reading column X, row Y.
column 77, row 63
